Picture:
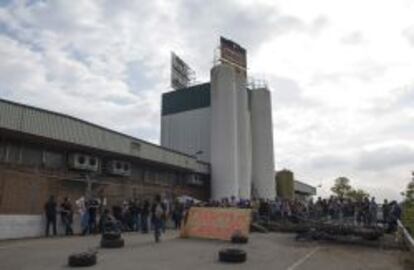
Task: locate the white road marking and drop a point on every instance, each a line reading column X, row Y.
column 303, row 259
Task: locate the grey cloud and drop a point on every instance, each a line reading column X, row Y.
column 82, row 69
column 402, row 99
column 251, row 25
column 385, row 158
column 330, row 162
column 409, row 35
column 366, row 72
column 287, row 92
column 353, row 38
column 406, row 98
column 319, row 24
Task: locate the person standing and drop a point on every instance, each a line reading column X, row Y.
column 92, row 209
column 144, row 216
column 394, row 216
column 385, row 211
column 135, row 212
column 67, row 216
column 82, row 205
column 158, row 211
column 177, row 214
column 50, row 211
column 373, row 212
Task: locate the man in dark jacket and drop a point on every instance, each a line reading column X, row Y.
column 50, row 211
column 144, row 216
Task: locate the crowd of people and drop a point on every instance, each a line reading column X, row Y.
column 146, row 215
column 364, row 212
column 132, row 215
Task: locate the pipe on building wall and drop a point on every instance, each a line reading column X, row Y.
column 224, row 139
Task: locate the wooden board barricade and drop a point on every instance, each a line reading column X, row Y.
column 216, row 223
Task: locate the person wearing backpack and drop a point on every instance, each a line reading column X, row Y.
column 158, row 213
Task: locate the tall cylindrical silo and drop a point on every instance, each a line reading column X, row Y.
column 262, row 144
column 244, row 137
column 224, row 147
column 285, row 185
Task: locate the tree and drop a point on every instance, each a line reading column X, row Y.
column 408, row 206
column 341, row 187
column 409, row 193
column 357, row 194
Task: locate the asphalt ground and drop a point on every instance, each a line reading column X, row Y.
column 275, row 251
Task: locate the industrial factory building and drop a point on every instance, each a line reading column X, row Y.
column 216, row 142
column 226, row 123
column 44, row 153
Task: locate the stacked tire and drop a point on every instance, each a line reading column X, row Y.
column 232, row 255
column 239, row 239
column 83, row 259
column 112, row 240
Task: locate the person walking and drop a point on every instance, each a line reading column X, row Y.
column 50, row 211
column 158, row 212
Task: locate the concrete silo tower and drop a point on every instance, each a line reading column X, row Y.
column 244, row 143
column 262, row 144
column 224, row 138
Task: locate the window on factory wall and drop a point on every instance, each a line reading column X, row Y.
column 172, row 178
column 148, row 176
column 14, row 153
column 164, row 178
column 137, row 173
column 154, row 176
column 53, row 160
column 31, row 156
column 181, row 178
column 2, row 150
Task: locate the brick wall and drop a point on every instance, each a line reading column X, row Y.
column 24, row 190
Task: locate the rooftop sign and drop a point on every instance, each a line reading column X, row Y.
column 181, row 73
column 233, row 54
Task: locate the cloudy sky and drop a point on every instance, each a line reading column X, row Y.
column 341, row 72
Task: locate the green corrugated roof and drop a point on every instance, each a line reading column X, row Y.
column 186, row 99
column 60, row 127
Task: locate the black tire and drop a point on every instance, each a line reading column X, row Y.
column 111, row 236
column 82, row 259
column 239, row 239
column 302, row 236
column 116, row 243
column 232, row 255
